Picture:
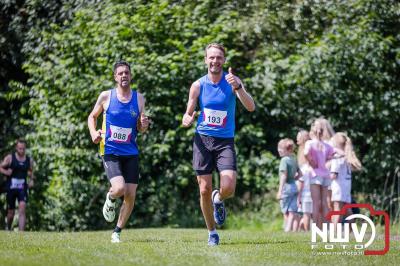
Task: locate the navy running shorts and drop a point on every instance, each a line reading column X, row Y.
column 211, row 153
column 16, row 194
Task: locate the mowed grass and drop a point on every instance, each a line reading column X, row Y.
column 164, row 246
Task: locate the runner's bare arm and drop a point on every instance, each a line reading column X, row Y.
column 143, row 121
column 30, row 173
column 5, row 164
column 189, row 115
column 92, row 119
column 245, row 98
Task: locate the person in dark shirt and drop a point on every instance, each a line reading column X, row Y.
column 17, row 167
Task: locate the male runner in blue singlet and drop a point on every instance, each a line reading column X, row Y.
column 17, row 167
column 213, row 145
column 123, row 116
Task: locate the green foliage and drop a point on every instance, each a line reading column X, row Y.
column 348, row 74
column 299, row 60
column 73, row 65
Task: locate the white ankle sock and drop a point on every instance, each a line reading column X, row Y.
column 111, row 198
column 212, row 232
column 217, row 199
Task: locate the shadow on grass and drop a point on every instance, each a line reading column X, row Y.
column 256, row 242
column 249, row 242
column 151, row 240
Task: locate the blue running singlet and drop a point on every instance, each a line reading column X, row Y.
column 217, row 109
column 120, row 126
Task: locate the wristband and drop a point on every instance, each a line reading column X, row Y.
column 238, row 88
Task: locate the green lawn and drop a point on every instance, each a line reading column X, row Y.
column 163, row 246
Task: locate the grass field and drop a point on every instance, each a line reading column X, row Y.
column 164, row 246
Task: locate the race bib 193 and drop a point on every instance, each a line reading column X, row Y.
column 215, row 117
column 17, row 183
column 120, row 134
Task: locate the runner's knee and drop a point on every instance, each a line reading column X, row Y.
column 118, row 190
column 129, row 197
column 205, row 191
column 21, row 206
column 227, row 191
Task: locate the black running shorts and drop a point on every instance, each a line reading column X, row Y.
column 211, row 153
column 125, row 166
column 16, row 194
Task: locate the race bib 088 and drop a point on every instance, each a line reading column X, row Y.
column 120, row 134
column 215, row 117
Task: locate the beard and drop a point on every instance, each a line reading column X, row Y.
column 124, row 83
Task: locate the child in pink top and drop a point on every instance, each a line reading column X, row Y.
column 318, row 153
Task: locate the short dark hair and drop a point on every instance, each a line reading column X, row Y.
column 22, row 141
column 121, row 63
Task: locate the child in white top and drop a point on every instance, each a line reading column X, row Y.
column 304, row 196
column 341, row 169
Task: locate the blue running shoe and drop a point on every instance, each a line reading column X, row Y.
column 213, row 240
column 219, row 210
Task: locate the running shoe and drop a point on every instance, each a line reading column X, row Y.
column 116, row 237
column 213, row 240
column 219, row 210
column 109, row 209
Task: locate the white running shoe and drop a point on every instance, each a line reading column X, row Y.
column 109, row 209
column 116, row 237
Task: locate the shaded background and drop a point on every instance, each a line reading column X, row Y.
column 299, row 59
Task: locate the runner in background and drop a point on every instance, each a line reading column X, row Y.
column 17, row 167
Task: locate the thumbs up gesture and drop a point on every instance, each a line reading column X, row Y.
column 232, row 79
column 188, row 119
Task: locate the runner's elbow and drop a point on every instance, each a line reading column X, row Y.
column 251, row 108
